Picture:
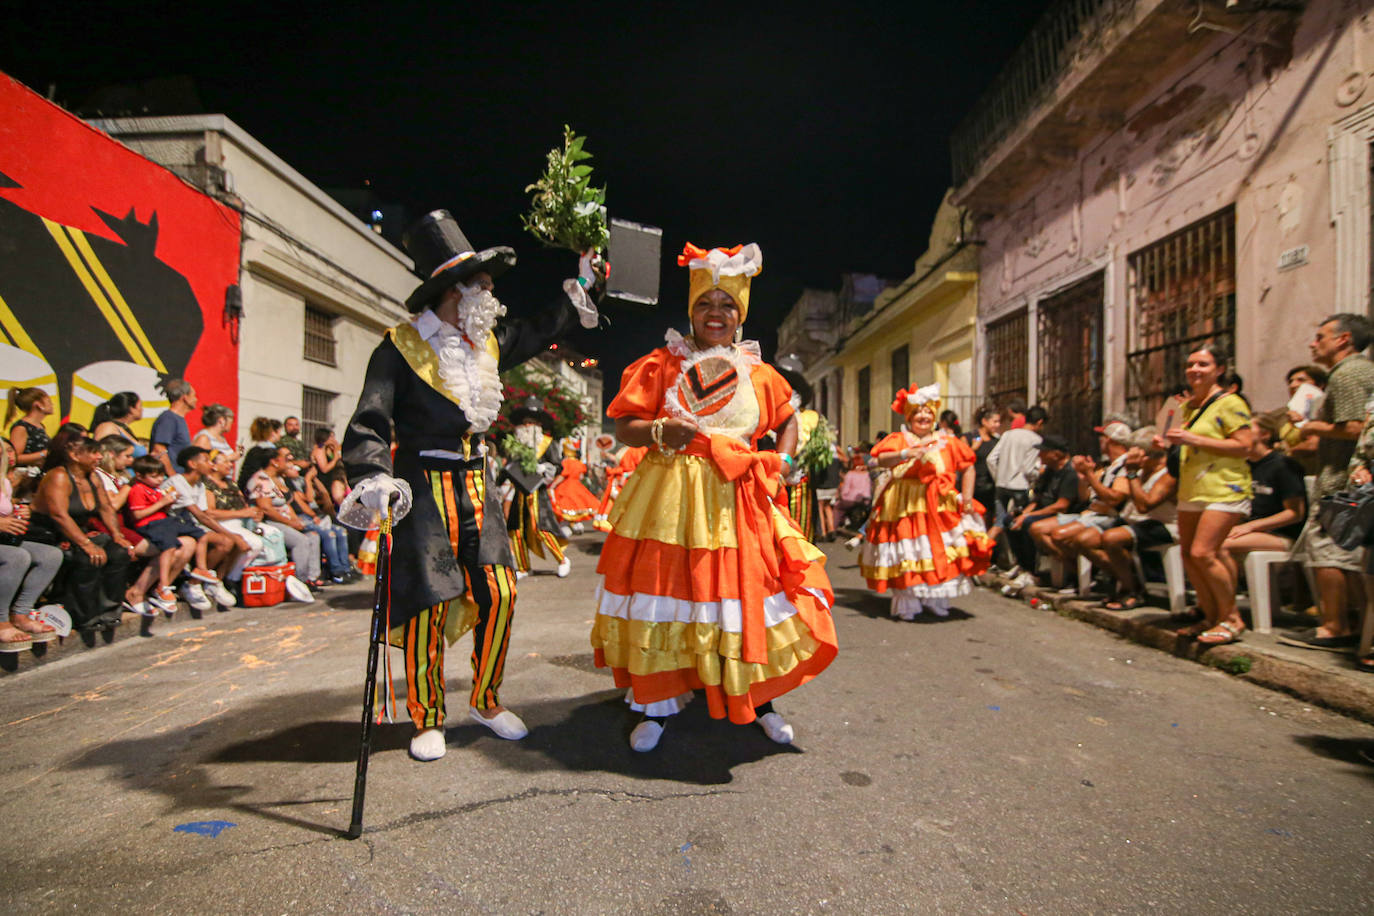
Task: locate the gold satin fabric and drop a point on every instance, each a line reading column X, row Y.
column 908, row 497
column 677, row 499
column 424, row 362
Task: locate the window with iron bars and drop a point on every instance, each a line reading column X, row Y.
column 1182, row 292
column 863, row 390
column 1008, row 349
column 901, row 368
column 1068, row 376
column 319, row 336
column 316, row 407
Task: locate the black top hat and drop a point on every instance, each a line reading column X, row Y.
column 443, row 256
column 533, row 409
column 790, row 368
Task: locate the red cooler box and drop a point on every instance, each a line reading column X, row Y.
column 265, row 586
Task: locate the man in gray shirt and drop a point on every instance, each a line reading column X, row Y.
column 1011, row 463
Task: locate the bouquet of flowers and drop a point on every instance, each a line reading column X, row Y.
column 520, row 453
column 566, row 211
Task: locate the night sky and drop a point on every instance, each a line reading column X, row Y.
column 819, row 131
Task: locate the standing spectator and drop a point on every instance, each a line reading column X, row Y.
column 1305, row 375
column 30, row 440
column 277, row 512
column 1214, row 490
column 949, row 423
column 1016, row 412
column 827, row 491
column 68, row 499
column 170, row 432
column 291, row 440
column 1338, row 345
column 1280, row 501
column 1306, row 391
column 26, row 569
column 989, row 423
column 115, row 418
column 1362, row 473
column 216, row 419
column 265, row 432
column 1055, row 492
column 1011, row 462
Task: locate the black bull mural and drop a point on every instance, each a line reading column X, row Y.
column 103, row 315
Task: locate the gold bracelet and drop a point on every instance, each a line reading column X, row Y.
column 656, row 430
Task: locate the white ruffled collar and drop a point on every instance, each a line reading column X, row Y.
column 686, row 348
column 470, row 374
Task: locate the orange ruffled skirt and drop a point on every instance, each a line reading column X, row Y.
column 573, row 502
column 669, row 617
column 930, row 549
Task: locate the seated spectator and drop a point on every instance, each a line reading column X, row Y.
column 333, row 538
column 116, row 455
column 222, row 547
column 262, row 488
column 265, row 432
column 214, row 436
column 225, row 504
column 26, row 568
column 1279, row 506
column 327, row 459
column 1055, row 492
column 1106, row 490
column 116, row 416
column 28, row 408
column 67, row 501
column 170, row 433
column 175, row 539
column 1150, row 514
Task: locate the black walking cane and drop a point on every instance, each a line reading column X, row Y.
column 377, row 635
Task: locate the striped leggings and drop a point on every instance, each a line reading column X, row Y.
column 522, row 552
column 460, row 497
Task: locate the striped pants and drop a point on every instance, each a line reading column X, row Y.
column 522, row 551
column 490, row 592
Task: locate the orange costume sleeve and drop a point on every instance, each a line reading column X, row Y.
column 642, row 387
column 892, row 442
column 573, row 469
column 774, row 396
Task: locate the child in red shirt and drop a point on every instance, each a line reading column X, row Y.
column 146, row 505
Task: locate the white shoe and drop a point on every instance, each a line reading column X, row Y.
column 776, row 728
column 578, row 528
column 298, row 590
column 428, row 744
column 854, row 542
column 564, row 567
column 506, row 724
column 645, row 736
column 192, row 595
column 520, row 575
column 219, row 594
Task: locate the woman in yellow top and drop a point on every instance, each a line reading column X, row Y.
column 1213, row 489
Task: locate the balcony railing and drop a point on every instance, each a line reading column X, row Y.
column 1064, row 32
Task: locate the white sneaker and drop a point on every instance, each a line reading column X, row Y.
column 192, row 595
column 854, row 542
column 776, row 728
column 564, row 567
column 578, row 528
column 221, row 595
column 428, row 744
column 645, row 736
column 520, row 575
column 506, row 724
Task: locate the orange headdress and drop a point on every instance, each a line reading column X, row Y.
column 728, row 269
column 908, row 399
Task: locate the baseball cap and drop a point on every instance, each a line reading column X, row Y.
column 1116, row 431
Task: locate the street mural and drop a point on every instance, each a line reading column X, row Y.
column 113, row 271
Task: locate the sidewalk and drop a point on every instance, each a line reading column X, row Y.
column 1324, row 678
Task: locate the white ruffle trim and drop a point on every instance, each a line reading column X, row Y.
column 471, row 375
column 726, row 614
column 684, row 347
column 954, row 588
column 669, row 707
column 355, row 513
column 748, row 262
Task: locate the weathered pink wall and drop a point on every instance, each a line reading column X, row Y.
column 1218, row 131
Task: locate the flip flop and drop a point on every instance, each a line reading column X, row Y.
column 1221, row 634
column 44, row 633
column 1129, row 603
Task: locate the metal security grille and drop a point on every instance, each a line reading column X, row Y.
column 1008, row 344
column 864, row 393
column 316, row 407
column 1182, row 292
column 901, row 368
column 1068, row 376
column 319, row 336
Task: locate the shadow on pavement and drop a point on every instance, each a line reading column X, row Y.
column 350, row 601
column 1359, row 751
column 879, row 607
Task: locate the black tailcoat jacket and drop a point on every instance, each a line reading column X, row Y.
column 424, row 570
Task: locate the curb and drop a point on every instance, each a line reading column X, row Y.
column 1350, row 693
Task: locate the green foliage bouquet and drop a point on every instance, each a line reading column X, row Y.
column 566, row 211
column 818, row 450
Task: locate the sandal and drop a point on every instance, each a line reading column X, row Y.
column 32, row 625
column 1129, row 603
column 1221, row 634
column 1365, row 663
column 13, row 639
column 1193, row 631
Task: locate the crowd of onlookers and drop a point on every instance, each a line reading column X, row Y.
column 99, row 522
column 1209, row 472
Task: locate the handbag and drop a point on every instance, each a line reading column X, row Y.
column 1348, row 516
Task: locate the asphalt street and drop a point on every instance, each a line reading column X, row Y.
column 1004, row 760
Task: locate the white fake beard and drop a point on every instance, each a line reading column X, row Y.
column 478, row 311
column 529, row 434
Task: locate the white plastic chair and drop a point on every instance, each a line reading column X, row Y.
column 1259, row 572
column 1175, row 586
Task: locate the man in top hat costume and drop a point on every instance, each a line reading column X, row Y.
column 531, row 522
column 435, row 380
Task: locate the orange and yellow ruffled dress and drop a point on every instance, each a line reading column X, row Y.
column 706, row 582
column 572, row 501
column 920, row 543
column 615, row 480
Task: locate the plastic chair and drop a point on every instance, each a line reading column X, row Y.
column 1175, row 586
column 1259, row 571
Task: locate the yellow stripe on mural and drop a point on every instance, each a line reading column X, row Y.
column 16, row 331
column 116, row 297
column 93, row 290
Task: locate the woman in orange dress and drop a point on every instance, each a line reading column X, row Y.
column 926, row 537
column 616, row 475
column 573, row 503
column 706, row 582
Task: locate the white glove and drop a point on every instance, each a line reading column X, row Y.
column 378, row 496
column 587, row 314
column 370, row 499
column 548, row 471
column 585, row 275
